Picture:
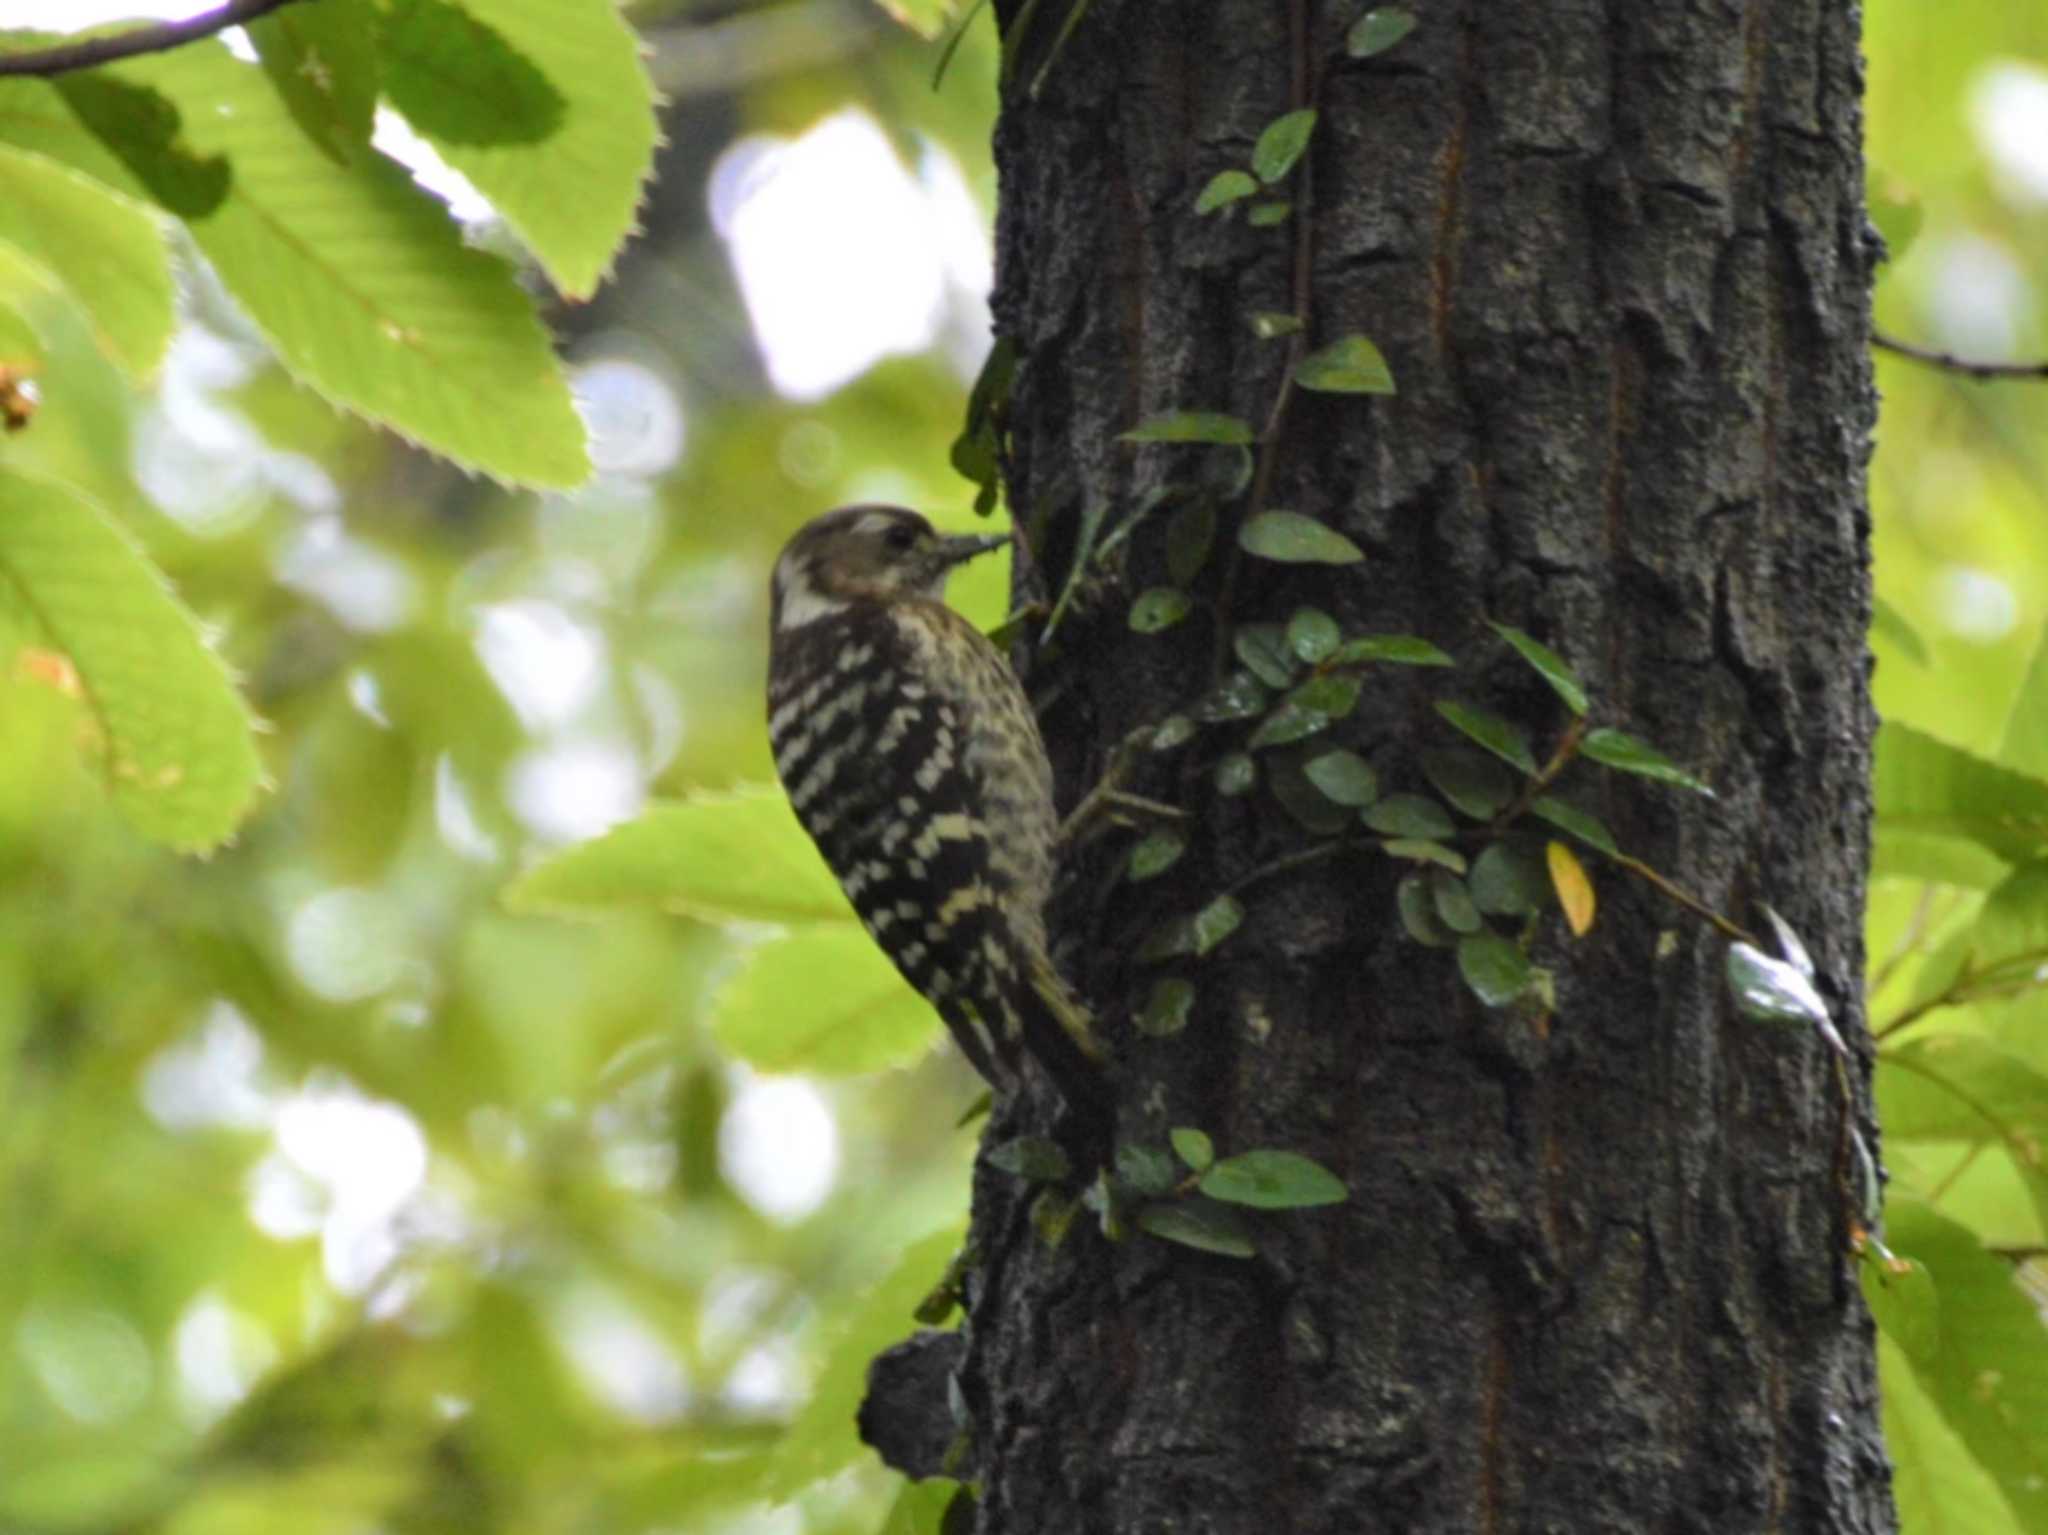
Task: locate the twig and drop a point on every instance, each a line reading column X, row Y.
column 1967, row 366
column 1690, row 902
column 158, row 37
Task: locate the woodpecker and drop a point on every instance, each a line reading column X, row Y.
column 912, row 758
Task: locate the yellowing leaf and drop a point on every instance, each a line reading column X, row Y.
column 1574, row 890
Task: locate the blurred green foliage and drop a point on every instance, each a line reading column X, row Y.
column 371, row 1171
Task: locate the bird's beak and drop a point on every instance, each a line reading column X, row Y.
column 962, row 547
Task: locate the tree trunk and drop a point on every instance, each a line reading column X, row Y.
column 1593, row 1273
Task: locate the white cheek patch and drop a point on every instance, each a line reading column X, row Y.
column 801, row 603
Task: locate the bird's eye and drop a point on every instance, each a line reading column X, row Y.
column 901, row 539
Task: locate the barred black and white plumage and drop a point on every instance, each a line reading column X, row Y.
column 911, row 756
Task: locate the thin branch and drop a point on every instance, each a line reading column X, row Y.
column 158, row 37
column 1968, row 367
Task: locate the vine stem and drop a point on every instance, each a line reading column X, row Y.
column 1692, row 903
column 1303, row 91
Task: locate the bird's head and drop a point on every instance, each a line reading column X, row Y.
column 866, row 553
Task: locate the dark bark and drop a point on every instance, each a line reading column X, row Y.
column 1593, row 1274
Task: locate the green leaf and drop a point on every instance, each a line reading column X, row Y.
column 1196, row 934
column 1928, row 793
column 1190, row 426
column 179, row 752
column 1235, row 774
column 1509, row 881
column 1176, row 730
column 1417, row 908
column 920, row 1507
column 1939, row 1487
column 1292, row 539
column 1504, row 740
column 322, row 62
column 1454, row 903
column 1344, row 777
column 1190, row 535
column 357, row 278
column 823, row 1000
column 1265, row 652
column 546, row 106
column 1195, row 1223
column 1155, row 854
column 1959, row 1087
column 1581, row 824
column 823, row 1437
column 1282, row 144
column 1267, row 214
column 1352, row 365
column 1239, row 696
column 1273, row 1180
column 1378, row 30
column 1159, row 608
column 1421, row 850
column 1905, row 1305
column 1302, row 800
column 719, row 857
column 1312, row 634
column 1145, row 1170
column 1271, row 324
column 106, row 250
column 1288, row 723
column 1400, row 649
column 1223, row 189
column 1033, row 1158
column 1335, row 696
column 1167, row 1008
column 1497, row 971
column 1410, row 815
column 1897, row 214
column 1988, row 1375
column 2025, row 744
column 1474, row 784
column 1617, row 749
column 1193, row 1147
column 1549, row 665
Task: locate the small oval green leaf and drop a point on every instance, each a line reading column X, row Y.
column 1350, row 366
column 1193, row 1147
column 1549, row 665
column 1031, row 1157
column 1478, row 786
column 1378, row 30
column 1160, row 608
column 1209, row 1228
column 1495, row 969
column 1167, row 1007
column 1399, row 649
column 1265, row 652
column 1273, row 1180
column 1288, row 723
column 1344, row 777
column 1417, row 907
column 1567, row 817
column 1282, row 144
column 1421, row 850
column 1312, row 634
column 1617, row 749
column 1292, row 539
column 1155, row 854
column 1265, row 215
column 1454, row 902
column 1410, row 815
column 1505, row 741
column 1223, row 189
column 1509, row 881
column 1235, row 774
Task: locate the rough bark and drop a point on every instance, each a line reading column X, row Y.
column 1593, row 1272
